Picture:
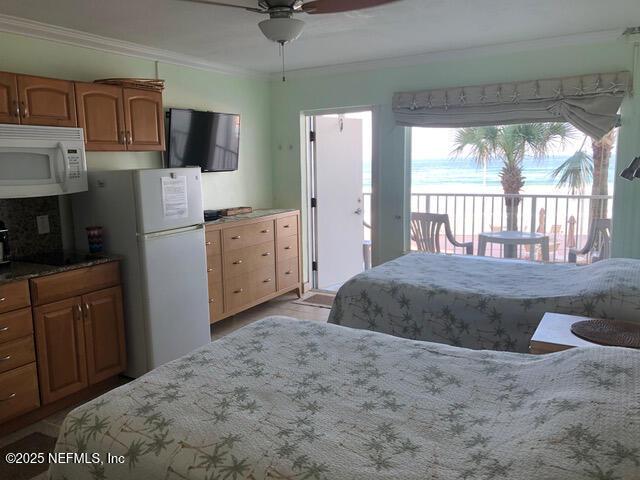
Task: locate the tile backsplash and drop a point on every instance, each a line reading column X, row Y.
column 19, row 215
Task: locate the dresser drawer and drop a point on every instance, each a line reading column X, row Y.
column 17, row 353
column 214, row 266
column 212, row 242
column 15, row 324
column 74, row 282
column 288, row 247
column 18, row 391
column 244, row 289
column 288, row 273
column 216, row 304
column 14, row 295
column 287, row 226
column 247, row 235
column 245, row 260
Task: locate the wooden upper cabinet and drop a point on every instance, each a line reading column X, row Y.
column 46, row 101
column 143, row 119
column 60, row 347
column 9, row 112
column 101, row 115
column 104, row 334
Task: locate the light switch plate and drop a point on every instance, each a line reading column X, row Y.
column 43, row 224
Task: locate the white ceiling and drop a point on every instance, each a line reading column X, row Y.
column 231, row 37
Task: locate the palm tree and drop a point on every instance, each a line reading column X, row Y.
column 581, row 169
column 510, row 144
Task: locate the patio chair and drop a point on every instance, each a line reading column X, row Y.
column 598, row 244
column 425, row 231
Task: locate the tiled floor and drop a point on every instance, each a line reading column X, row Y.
column 279, row 306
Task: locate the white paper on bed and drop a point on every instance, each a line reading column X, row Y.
column 288, row 399
column 483, row 303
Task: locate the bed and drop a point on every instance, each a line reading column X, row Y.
column 297, row 400
column 483, row 303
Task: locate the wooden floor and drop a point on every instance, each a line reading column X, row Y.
column 279, row 306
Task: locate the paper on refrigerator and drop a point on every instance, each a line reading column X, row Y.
column 174, row 197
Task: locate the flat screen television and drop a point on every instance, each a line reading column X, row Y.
column 207, row 140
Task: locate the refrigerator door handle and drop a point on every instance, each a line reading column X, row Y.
column 175, row 231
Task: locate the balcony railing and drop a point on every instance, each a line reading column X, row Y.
column 564, row 218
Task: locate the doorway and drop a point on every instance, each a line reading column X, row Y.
column 340, row 169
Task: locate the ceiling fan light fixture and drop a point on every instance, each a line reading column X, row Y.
column 281, row 30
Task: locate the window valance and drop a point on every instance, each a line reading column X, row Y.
column 588, row 102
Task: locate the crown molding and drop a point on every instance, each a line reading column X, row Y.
column 54, row 33
column 602, row 36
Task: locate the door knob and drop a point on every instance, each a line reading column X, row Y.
column 358, row 211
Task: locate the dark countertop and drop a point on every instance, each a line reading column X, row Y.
column 249, row 216
column 24, row 270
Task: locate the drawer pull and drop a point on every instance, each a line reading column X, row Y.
column 235, row 237
column 288, row 247
column 3, row 299
column 286, row 226
column 211, row 300
column 208, row 243
column 288, row 272
column 266, row 281
column 13, row 395
column 266, row 254
column 4, row 329
column 237, row 262
column 209, row 270
column 264, row 231
column 4, row 359
column 240, row 290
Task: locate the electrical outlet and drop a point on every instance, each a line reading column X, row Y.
column 43, row 224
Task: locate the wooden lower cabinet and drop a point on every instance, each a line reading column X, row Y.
column 18, row 391
column 104, row 334
column 60, row 343
column 252, row 260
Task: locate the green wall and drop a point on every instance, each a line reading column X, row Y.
column 376, row 87
column 185, row 87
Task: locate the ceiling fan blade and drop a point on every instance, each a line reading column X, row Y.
column 222, row 4
column 337, row 6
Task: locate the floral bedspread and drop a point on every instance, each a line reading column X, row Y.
column 483, row 303
column 298, row 400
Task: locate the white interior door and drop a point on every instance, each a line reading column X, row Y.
column 339, row 212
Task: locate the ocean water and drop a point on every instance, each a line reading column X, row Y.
column 463, row 175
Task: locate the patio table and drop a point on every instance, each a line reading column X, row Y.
column 515, row 238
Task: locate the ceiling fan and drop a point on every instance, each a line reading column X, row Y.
column 281, row 27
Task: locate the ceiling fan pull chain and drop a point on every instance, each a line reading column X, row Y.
column 284, row 78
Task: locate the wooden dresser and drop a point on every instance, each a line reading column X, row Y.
column 61, row 339
column 251, row 259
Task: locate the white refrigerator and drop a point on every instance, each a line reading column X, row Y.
column 154, row 219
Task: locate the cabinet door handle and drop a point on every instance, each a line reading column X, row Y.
column 79, row 309
column 129, row 137
column 25, row 110
column 16, row 108
column 240, row 290
column 86, row 309
column 4, row 329
column 13, row 395
column 122, row 139
column 235, row 237
column 266, row 254
column 4, row 359
column 237, row 262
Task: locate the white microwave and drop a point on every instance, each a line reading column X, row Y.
column 41, row 161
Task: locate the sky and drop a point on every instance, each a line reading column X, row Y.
column 437, row 143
